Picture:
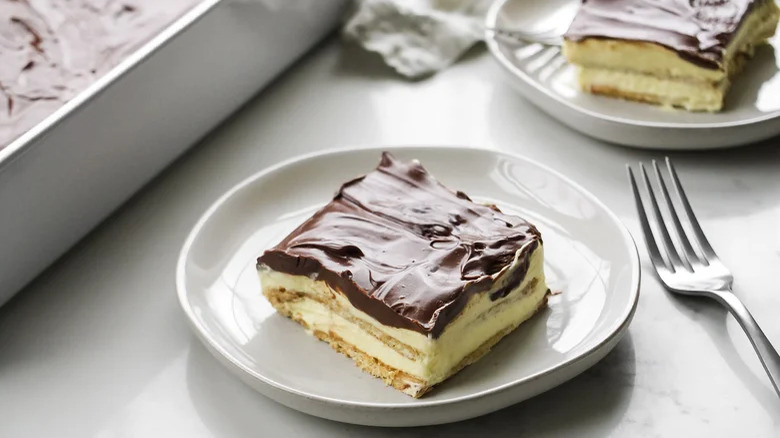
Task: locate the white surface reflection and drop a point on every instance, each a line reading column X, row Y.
column 769, row 94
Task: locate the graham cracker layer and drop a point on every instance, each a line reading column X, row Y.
column 394, row 377
column 611, row 91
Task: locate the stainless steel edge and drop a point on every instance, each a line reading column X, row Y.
column 67, row 174
column 29, row 139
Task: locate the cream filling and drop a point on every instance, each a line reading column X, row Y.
column 479, row 321
column 691, row 95
column 657, row 60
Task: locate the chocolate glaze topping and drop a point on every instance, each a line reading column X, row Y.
column 698, row 30
column 405, row 249
column 50, row 50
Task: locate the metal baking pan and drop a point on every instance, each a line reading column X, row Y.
column 70, row 171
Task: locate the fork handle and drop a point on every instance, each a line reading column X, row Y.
column 766, row 352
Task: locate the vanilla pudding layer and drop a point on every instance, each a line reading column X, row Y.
column 692, row 95
column 408, row 360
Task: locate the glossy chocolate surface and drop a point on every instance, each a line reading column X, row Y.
column 405, row 249
column 50, row 50
column 698, row 30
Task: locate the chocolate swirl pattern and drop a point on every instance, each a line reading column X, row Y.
column 698, row 30
column 50, row 50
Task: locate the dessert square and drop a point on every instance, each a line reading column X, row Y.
column 411, row 280
column 680, row 53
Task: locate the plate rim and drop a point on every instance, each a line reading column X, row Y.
column 492, row 43
column 214, row 347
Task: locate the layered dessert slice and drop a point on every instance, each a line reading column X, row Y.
column 680, row 53
column 409, row 279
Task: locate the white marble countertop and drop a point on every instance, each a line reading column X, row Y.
column 97, row 346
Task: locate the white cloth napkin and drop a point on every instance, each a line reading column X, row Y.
column 417, row 37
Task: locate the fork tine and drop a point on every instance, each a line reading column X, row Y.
column 688, row 251
column 553, row 65
column 652, row 247
column 549, row 33
column 671, row 251
column 530, row 39
column 550, row 37
column 543, row 60
column 702, row 241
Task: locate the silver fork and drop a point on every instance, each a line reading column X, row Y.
column 689, row 273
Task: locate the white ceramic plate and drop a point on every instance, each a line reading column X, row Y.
column 590, row 255
column 751, row 112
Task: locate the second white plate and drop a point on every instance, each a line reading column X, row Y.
column 590, row 257
column 751, row 112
